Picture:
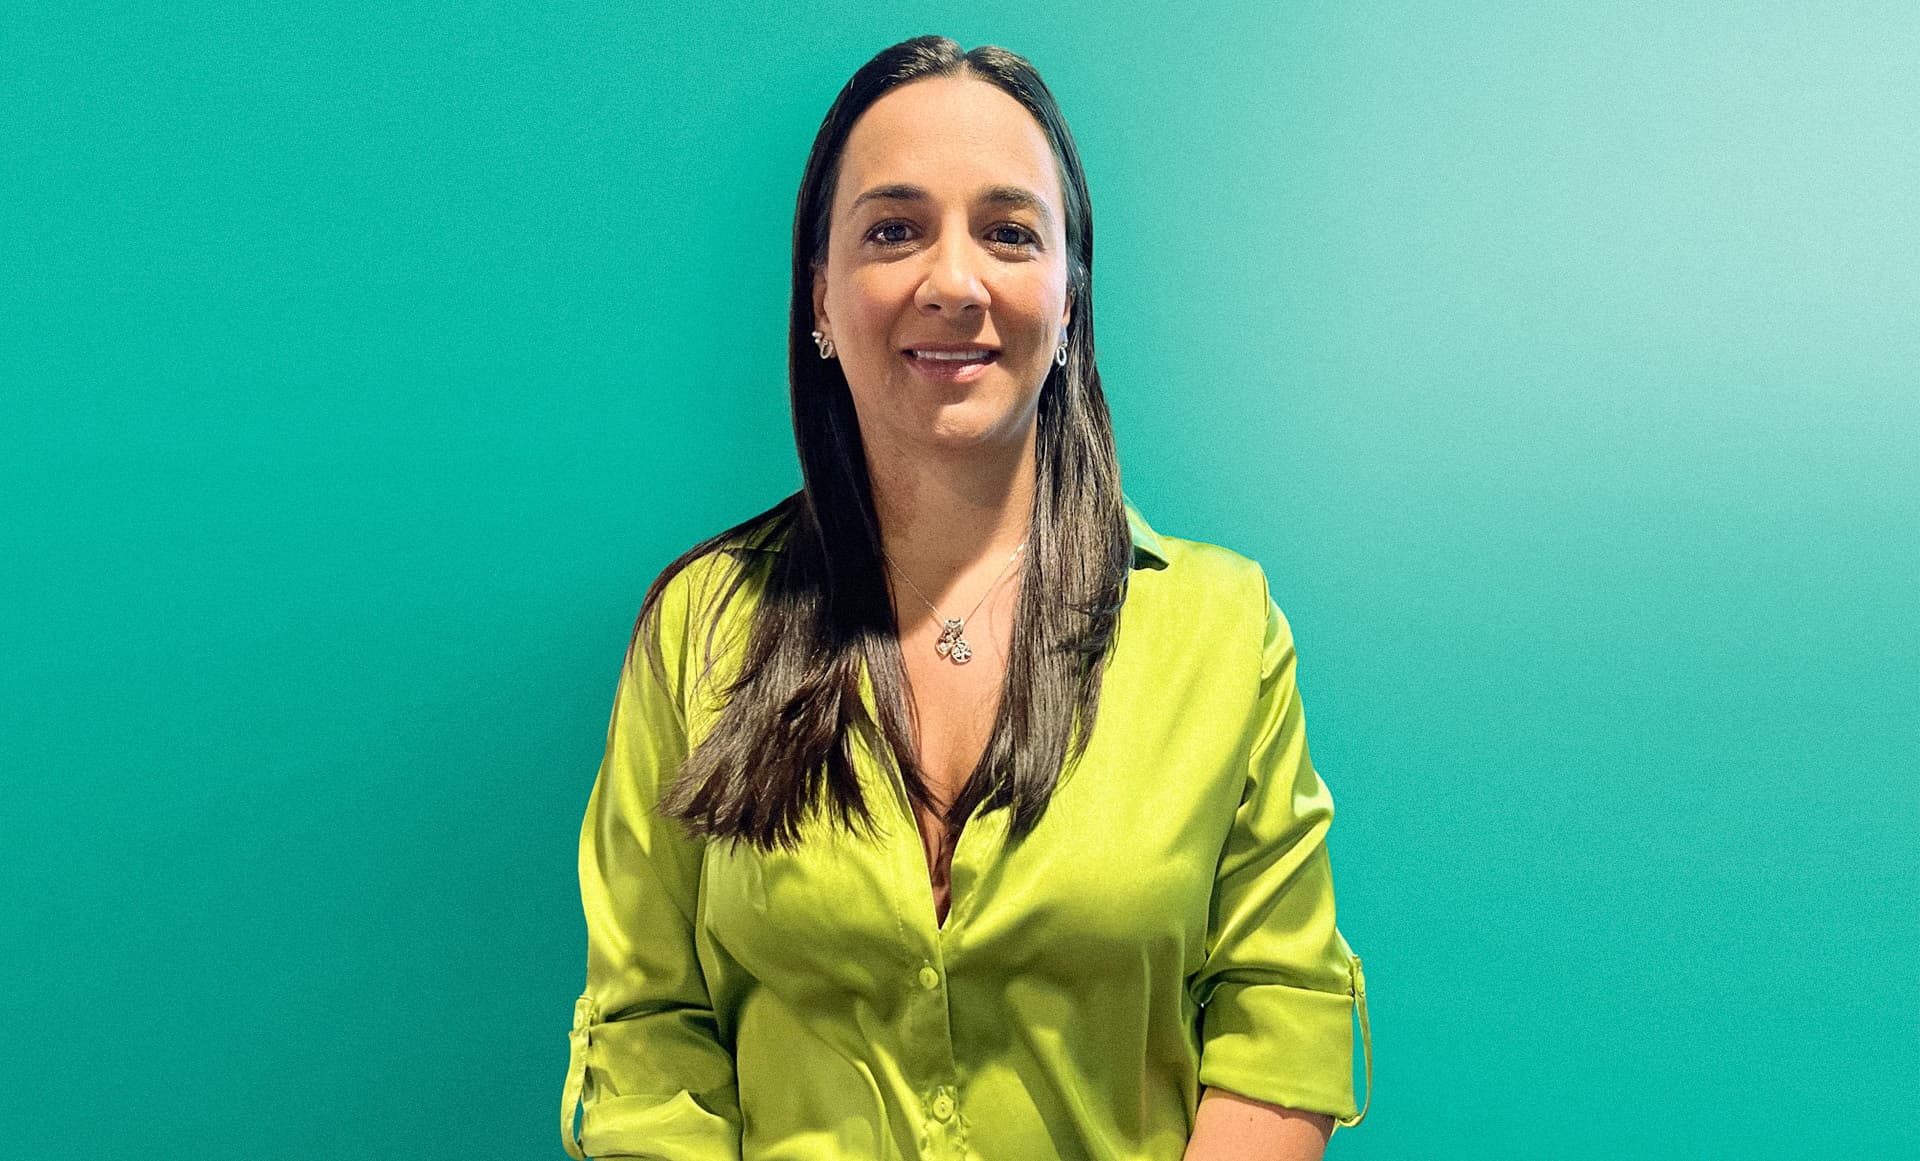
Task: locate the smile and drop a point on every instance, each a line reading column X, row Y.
column 951, row 366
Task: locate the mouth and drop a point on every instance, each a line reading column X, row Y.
column 950, row 364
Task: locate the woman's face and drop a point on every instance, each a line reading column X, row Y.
column 946, row 231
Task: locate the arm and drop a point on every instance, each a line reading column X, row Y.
column 646, row 1063
column 1279, row 986
column 1230, row 1127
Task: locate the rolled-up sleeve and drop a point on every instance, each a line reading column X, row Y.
column 1279, row 986
column 647, row 1070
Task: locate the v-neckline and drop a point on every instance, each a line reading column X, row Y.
column 904, row 809
column 939, row 867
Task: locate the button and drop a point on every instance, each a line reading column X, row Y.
column 929, row 979
column 942, row 1107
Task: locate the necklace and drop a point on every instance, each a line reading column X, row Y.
column 952, row 645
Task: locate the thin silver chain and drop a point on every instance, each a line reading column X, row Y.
column 952, row 643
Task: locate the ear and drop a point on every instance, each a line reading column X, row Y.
column 1068, row 317
column 820, row 300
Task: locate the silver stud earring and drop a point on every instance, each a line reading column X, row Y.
column 826, row 345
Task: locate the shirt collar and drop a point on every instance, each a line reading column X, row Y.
column 1148, row 552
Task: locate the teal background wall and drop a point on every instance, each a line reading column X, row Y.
column 360, row 364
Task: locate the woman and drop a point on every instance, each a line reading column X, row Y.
column 1112, row 935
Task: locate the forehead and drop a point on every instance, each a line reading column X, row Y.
column 954, row 136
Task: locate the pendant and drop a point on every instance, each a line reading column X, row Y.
column 951, row 645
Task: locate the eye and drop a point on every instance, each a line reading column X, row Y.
column 881, row 234
column 873, row 235
column 1026, row 236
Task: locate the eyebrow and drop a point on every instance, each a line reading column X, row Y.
column 1018, row 197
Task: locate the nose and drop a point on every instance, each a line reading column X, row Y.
column 952, row 282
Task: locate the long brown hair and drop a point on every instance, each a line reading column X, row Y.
column 781, row 747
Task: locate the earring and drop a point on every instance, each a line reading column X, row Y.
column 826, row 345
column 1060, row 356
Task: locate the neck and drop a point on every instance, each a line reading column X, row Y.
column 951, row 521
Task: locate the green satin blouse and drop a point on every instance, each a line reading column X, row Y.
column 1168, row 926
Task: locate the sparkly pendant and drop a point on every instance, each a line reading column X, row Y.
column 951, row 645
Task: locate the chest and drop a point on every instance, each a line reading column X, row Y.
column 1123, row 860
column 953, row 708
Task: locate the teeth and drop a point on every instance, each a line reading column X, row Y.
column 954, row 356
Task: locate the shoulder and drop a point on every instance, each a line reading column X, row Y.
column 705, row 576
column 703, row 599
column 1207, row 593
column 1203, row 568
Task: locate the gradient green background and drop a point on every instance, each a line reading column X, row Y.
column 361, row 364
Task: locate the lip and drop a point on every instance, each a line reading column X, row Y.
column 950, row 372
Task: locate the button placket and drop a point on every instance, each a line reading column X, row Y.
column 943, row 1135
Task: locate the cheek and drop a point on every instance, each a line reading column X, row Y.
column 878, row 291
column 1037, row 303
column 870, row 321
column 1034, row 333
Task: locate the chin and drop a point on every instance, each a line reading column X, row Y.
column 959, row 427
